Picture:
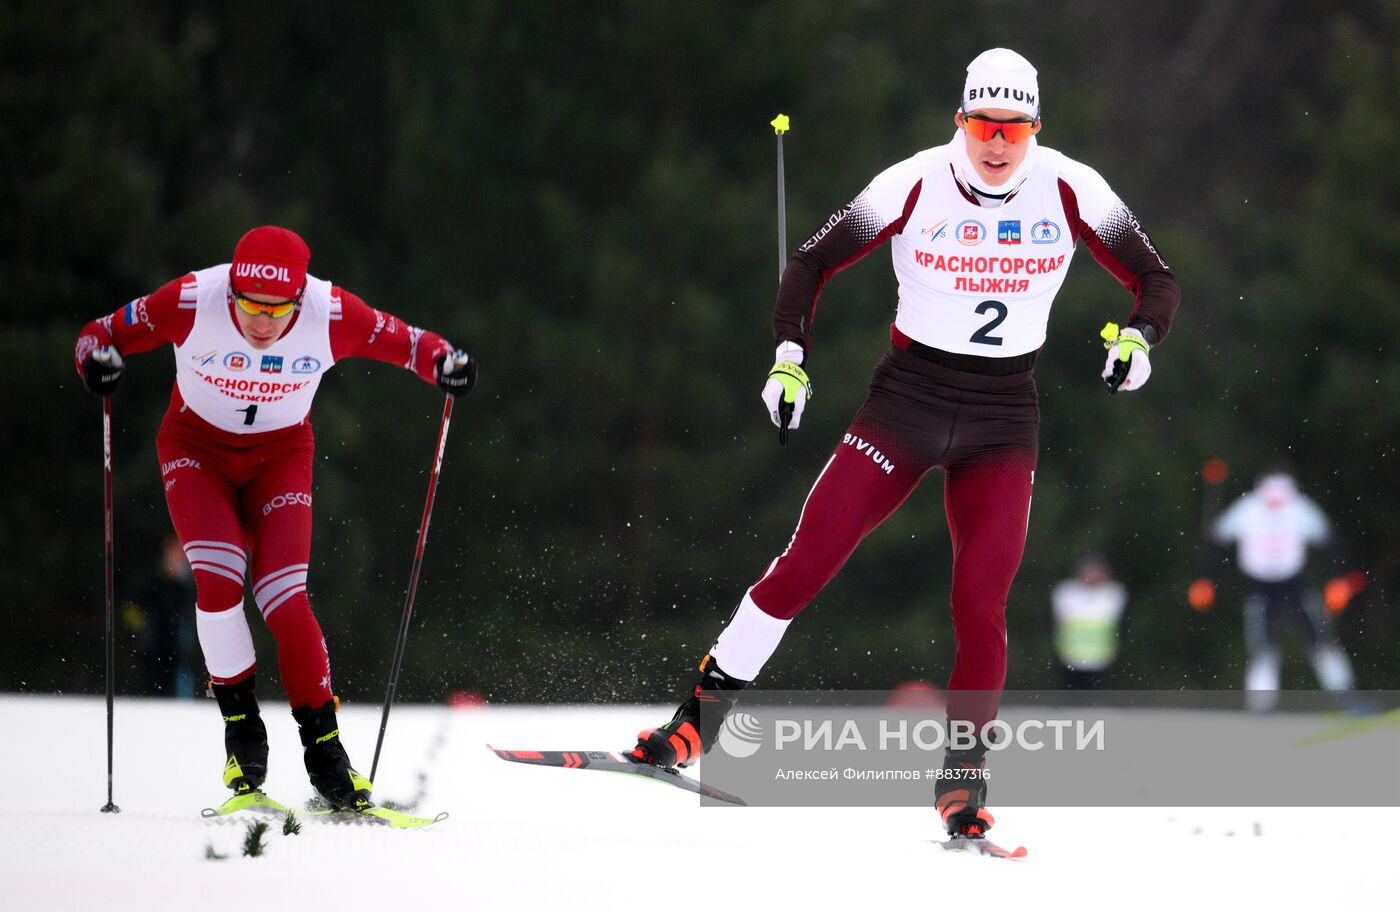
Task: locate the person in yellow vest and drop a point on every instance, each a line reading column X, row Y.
column 1087, row 609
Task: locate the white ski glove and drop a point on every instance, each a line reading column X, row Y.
column 1127, row 367
column 787, row 390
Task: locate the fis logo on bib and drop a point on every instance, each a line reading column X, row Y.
column 305, row 365
column 237, row 361
column 271, row 364
column 1009, row 231
column 971, row 233
column 1045, row 232
column 204, row 359
column 935, row 231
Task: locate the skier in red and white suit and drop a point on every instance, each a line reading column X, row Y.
column 252, row 340
column 981, row 233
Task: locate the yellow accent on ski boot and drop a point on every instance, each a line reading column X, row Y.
column 233, row 776
column 245, row 735
column 327, row 764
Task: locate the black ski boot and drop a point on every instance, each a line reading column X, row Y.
column 326, row 761
column 245, row 736
column 688, row 735
column 961, row 794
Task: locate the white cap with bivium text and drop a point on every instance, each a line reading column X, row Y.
column 1003, row 79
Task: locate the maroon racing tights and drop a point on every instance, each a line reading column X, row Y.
column 982, row 431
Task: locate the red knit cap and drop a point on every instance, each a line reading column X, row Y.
column 270, row 260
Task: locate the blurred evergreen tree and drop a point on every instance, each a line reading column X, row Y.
column 583, row 197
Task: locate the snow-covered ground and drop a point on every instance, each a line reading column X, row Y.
column 531, row 838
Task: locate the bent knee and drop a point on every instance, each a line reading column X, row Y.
column 218, row 568
column 280, row 587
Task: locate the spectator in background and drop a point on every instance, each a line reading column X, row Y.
column 162, row 617
column 1273, row 527
column 1087, row 610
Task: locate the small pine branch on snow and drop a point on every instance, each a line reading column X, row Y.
column 253, row 841
column 291, row 826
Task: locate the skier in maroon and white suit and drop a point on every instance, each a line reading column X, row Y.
column 252, row 340
column 981, row 232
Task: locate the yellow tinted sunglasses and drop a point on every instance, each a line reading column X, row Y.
column 257, row 308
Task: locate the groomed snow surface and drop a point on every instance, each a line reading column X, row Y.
column 525, row 837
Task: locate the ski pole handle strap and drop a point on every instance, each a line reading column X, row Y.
column 1127, row 340
column 1127, row 366
column 456, row 372
column 785, row 394
column 793, row 378
column 102, row 370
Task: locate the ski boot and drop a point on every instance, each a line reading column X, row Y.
column 687, row 736
column 961, row 796
column 327, row 764
column 245, row 736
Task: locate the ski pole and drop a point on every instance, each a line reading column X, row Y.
column 412, row 584
column 110, row 561
column 781, row 124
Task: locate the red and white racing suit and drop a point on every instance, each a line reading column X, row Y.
column 236, row 449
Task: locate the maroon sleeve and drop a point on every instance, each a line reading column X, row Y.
column 165, row 316
column 851, row 233
column 363, row 332
column 1119, row 244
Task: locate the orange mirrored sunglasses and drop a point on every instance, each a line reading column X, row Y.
column 983, row 129
column 257, row 308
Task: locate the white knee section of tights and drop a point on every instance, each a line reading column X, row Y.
column 748, row 640
column 226, row 641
